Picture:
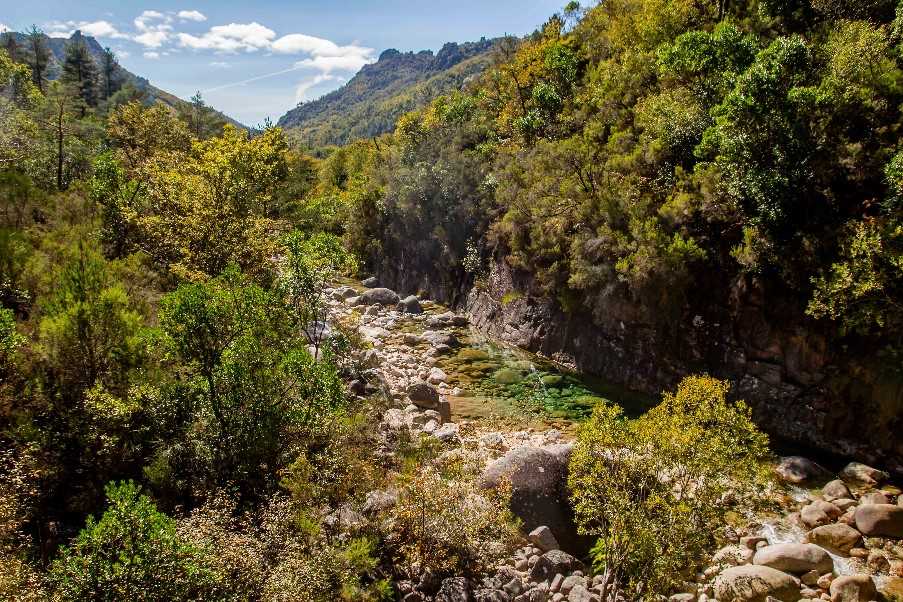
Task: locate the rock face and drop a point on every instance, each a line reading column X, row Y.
column 751, row 583
column 838, row 538
column 795, row 558
column 776, row 360
column 880, row 520
column 379, row 296
column 538, row 477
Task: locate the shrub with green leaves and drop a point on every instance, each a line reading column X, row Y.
column 133, row 553
column 655, row 490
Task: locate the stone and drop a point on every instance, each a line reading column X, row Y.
column 556, row 583
column 538, row 477
column 862, row 473
column 444, row 410
column 352, row 301
column 536, row 594
column 379, row 501
column 570, row 582
column 424, row 395
column 436, row 376
column 874, row 497
column 684, row 597
column 844, row 503
column 543, row 538
column 411, row 339
column 447, row 433
column 733, row 555
column 824, row 582
column 752, row 541
column 795, row 558
column 810, row 578
column 454, row 589
column 379, row 296
column 819, row 513
column 837, row 538
column 752, row 583
column 798, row 470
column 580, row 594
column 552, row 563
column 880, row 520
column 409, row 305
column 436, row 338
column 836, row 489
column 853, row 588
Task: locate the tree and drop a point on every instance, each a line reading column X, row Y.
column 653, row 489
column 67, row 133
column 80, row 70
column 13, row 51
column 38, row 56
column 111, row 77
column 133, row 553
column 201, row 119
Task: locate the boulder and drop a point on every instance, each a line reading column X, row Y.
column 543, row 538
column 370, row 282
column 819, row 513
column 552, row 563
column 409, row 305
column 880, row 520
column 447, row 433
column 795, row 558
column 837, row 538
column 733, row 555
column 861, row 473
column 853, row 588
column 437, row 338
column 752, row 583
column 379, row 296
column 436, row 376
column 579, row 593
column 454, row 589
column 874, row 497
column 424, row 396
column 836, row 490
column 797, row 470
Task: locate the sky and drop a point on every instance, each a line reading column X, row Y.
column 259, row 58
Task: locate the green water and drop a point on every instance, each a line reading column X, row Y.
column 507, row 382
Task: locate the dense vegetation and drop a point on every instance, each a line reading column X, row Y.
column 175, row 422
column 373, row 100
column 636, row 149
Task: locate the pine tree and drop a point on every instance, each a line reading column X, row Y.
column 80, row 70
column 38, row 56
column 12, row 47
column 111, row 78
column 201, row 119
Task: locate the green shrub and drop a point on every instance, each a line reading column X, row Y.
column 133, row 553
column 655, row 490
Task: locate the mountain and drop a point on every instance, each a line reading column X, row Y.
column 371, row 101
column 58, row 46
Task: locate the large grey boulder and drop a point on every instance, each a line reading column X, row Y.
column 539, row 496
column 752, row 583
column 795, row 558
column 797, row 470
column 838, row 538
column 379, row 296
column 880, row 520
column 409, row 305
column 553, row 562
column 836, row 490
column 370, row 282
column 543, row 538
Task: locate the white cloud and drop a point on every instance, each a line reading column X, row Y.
column 144, row 21
column 97, row 29
column 123, row 54
column 4, row 28
column 327, row 64
column 304, row 87
column 152, row 55
column 152, row 39
column 233, row 37
column 191, row 15
column 220, row 65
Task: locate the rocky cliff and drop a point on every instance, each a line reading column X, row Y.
column 803, row 386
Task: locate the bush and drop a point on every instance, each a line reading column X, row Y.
column 655, row 490
column 133, row 553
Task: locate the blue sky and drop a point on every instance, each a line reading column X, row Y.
column 298, row 50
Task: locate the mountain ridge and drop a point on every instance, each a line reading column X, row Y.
column 370, row 102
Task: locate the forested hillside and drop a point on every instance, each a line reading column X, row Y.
column 372, row 101
column 690, row 210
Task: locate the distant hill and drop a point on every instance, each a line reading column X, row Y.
column 371, row 102
column 58, row 46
